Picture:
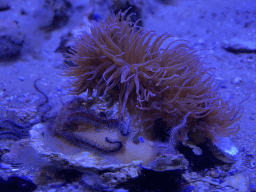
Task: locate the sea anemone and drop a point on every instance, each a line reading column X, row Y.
column 150, row 82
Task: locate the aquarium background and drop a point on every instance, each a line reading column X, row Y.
column 34, row 34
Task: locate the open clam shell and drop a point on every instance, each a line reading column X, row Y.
column 223, row 149
column 121, row 166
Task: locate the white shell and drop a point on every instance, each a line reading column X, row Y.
column 224, row 149
column 65, row 155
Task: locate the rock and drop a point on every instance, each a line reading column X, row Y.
column 11, row 40
column 237, row 80
column 239, row 182
column 214, row 173
column 168, row 162
column 114, row 178
column 237, row 45
column 62, row 11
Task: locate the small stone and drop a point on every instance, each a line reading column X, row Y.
column 214, row 173
column 21, row 78
column 237, row 80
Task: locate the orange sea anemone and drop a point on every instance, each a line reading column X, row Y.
column 152, row 82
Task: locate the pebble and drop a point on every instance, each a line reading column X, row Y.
column 214, row 173
column 237, row 80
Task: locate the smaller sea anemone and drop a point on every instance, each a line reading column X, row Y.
column 150, row 82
